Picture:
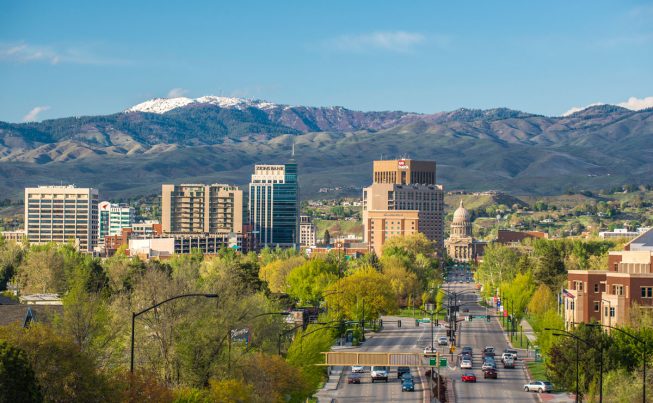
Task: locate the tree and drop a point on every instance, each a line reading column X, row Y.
column 499, row 265
column 403, row 282
column 327, row 237
column 276, row 273
column 17, row 380
column 305, row 352
column 365, row 292
column 409, row 245
column 549, row 264
column 11, row 255
column 307, row 282
column 272, row 379
column 542, row 300
column 42, row 271
column 230, row 390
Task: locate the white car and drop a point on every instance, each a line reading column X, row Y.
column 379, row 374
column 430, row 350
column 443, row 341
column 357, row 369
column 465, row 364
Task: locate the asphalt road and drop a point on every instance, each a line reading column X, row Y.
column 478, row 333
column 408, row 338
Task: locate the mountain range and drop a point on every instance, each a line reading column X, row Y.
column 219, row 139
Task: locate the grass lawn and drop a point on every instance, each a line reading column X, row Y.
column 408, row 313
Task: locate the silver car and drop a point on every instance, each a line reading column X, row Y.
column 539, row 386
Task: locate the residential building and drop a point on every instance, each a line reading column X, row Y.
column 307, row 231
column 113, row 218
column 610, row 296
column 168, row 244
column 15, row 236
column 461, row 245
column 194, row 208
column 62, row 214
column 407, row 189
column 274, row 205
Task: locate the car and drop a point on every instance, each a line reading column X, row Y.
column 468, row 377
column 406, row 376
column 354, row 378
column 508, row 356
column 509, row 363
column 490, row 373
column 512, row 352
column 466, row 364
column 488, row 349
column 408, row 385
column 467, row 349
column 466, row 356
column 538, row 386
column 425, row 320
column 357, row 369
column 379, row 374
column 401, row 371
column 465, row 309
column 443, row 341
column 430, row 351
column 489, row 365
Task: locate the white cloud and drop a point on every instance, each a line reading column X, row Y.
column 177, row 92
column 392, row 41
column 34, row 113
column 29, row 53
column 637, row 104
column 634, row 104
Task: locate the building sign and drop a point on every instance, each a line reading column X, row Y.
column 241, row 335
column 402, row 164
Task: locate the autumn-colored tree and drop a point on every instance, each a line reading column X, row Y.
column 276, row 273
column 230, row 390
column 365, row 292
column 272, row 379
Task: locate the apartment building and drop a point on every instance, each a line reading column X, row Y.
column 62, row 214
column 274, row 205
column 196, row 208
column 407, row 189
column 307, row 231
column 609, row 296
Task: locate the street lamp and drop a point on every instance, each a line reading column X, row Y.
column 135, row 314
column 645, row 350
column 600, row 349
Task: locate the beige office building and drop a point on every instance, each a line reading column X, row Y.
column 201, row 208
column 307, row 231
column 408, row 187
column 62, row 214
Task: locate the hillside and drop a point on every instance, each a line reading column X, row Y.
column 133, row 152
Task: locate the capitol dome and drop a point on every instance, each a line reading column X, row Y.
column 461, row 215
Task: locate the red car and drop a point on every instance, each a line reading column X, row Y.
column 468, row 377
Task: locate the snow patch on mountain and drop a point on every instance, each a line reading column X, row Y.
column 163, row 105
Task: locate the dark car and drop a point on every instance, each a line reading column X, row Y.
column 465, row 309
column 407, row 376
column 467, row 349
column 401, row 371
column 408, row 385
column 490, row 373
column 354, row 378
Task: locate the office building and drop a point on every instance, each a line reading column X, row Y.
column 62, row 214
column 113, row 218
column 307, row 231
column 208, row 209
column 612, row 296
column 166, row 245
column 274, row 205
column 409, row 187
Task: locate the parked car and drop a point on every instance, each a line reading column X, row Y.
column 379, row 374
column 466, row 364
column 490, row 373
column 443, row 341
column 509, row 363
column 354, row 378
column 357, row 369
column 408, row 385
column 430, row 351
column 468, row 377
column 401, row 371
column 538, row 386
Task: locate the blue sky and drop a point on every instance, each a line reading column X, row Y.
column 69, row 58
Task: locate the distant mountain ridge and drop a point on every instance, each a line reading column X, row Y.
column 220, row 138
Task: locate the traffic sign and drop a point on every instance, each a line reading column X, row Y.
column 432, row 361
column 443, row 362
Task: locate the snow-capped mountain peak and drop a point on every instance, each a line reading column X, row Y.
column 163, row 105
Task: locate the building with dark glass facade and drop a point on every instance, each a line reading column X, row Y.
column 274, row 205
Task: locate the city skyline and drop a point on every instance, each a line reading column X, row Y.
column 544, row 59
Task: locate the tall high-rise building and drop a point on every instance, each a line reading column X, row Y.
column 307, row 231
column 113, row 218
column 274, row 205
column 62, row 214
column 201, row 208
column 403, row 199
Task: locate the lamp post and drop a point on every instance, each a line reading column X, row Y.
column 135, row 314
column 587, row 343
column 645, row 351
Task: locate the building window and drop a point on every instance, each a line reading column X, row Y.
column 596, row 287
column 617, row 289
column 572, row 305
column 647, row 292
column 605, row 311
column 597, row 306
column 612, row 312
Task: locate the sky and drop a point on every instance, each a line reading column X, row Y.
column 72, row 58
